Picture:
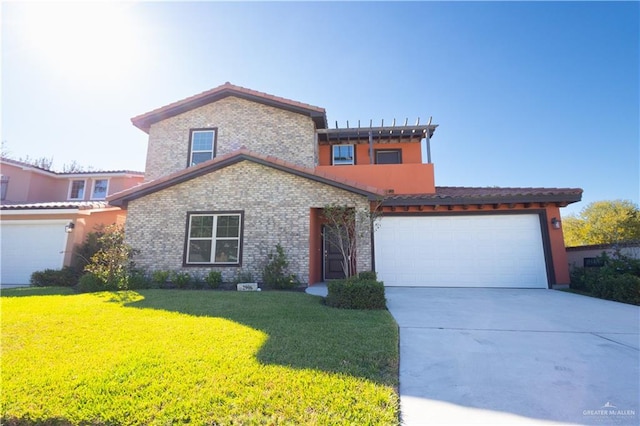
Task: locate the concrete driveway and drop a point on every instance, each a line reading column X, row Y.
column 512, row 356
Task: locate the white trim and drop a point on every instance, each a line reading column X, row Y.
column 93, row 188
column 39, row 222
column 35, row 212
column 84, row 189
column 213, row 144
column 214, row 238
column 343, row 163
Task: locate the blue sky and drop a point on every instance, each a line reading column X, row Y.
column 526, row 94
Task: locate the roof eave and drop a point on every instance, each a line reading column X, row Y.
column 513, row 199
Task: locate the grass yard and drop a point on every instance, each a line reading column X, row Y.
column 199, row 357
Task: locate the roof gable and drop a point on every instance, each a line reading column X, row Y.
column 144, row 121
column 121, row 199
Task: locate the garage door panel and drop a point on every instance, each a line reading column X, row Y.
column 461, row 251
column 29, row 246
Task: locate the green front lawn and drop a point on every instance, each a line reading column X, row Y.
column 199, row 357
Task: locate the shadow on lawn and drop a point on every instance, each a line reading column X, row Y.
column 303, row 333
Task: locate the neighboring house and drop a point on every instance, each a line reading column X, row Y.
column 591, row 255
column 44, row 215
column 232, row 172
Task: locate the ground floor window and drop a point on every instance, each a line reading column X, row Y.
column 213, row 238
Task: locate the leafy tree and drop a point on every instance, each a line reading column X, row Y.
column 346, row 225
column 603, row 222
column 112, row 263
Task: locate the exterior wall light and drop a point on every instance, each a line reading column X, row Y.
column 555, row 223
column 69, row 227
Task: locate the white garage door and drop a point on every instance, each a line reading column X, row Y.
column 461, row 251
column 29, row 246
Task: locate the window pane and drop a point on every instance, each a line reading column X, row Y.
column 388, row 157
column 77, row 189
column 228, row 226
column 200, row 251
column 200, row 157
column 343, row 154
column 100, row 188
column 201, row 226
column 202, row 141
column 226, row 251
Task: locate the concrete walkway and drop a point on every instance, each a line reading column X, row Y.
column 511, row 356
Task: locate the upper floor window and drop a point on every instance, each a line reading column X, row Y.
column 4, row 180
column 343, row 154
column 214, row 238
column 388, row 156
column 202, row 146
column 100, row 187
column 76, row 190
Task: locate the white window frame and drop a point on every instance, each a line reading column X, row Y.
column 84, row 188
column 343, row 162
column 93, row 189
column 213, row 238
column 192, row 151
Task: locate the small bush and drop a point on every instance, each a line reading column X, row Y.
column 368, row 275
column 138, row 280
column 243, row 277
column 214, row 279
column 356, row 294
column 181, row 279
column 90, row 283
column 275, row 273
column 65, row 277
column 160, row 278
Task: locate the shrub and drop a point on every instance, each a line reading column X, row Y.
column 243, row 277
column 65, row 277
column 138, row 280
column 214, row 279
column 618, row 279
column 90, row 283
column 112, row 263
column 160, row 278
column 181, row 279
column 368, row 275
column 356, row 293
column 275, row 273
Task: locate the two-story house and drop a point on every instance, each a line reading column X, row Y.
column 232, row 172
column 45, row 214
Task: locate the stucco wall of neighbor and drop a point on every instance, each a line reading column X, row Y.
column 276, row 207
column 260, row 128
column 576, row 255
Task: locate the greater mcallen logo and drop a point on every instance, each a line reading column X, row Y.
column 609, row 409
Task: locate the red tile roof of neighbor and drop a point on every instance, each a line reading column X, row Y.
column 88, row 172
column 80, row 205
column 243, row 154
column 144, row 121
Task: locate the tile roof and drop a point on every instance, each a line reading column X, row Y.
column 471, row 195
column 144, row 121
column 243, row 154
column 88, row 172
column 80, row 205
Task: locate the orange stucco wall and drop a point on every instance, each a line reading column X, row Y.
column 411, row 152
column 84, row 222
column 315, row 246
column 413, row 178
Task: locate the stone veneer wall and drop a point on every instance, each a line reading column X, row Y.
column 276, row 209
column 260, row 128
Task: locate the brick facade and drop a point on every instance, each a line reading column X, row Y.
column 276, row 209
column 260, row 128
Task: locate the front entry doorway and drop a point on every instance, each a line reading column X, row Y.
column 332, row 259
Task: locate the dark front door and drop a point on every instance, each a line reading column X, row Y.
column 332, row 265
